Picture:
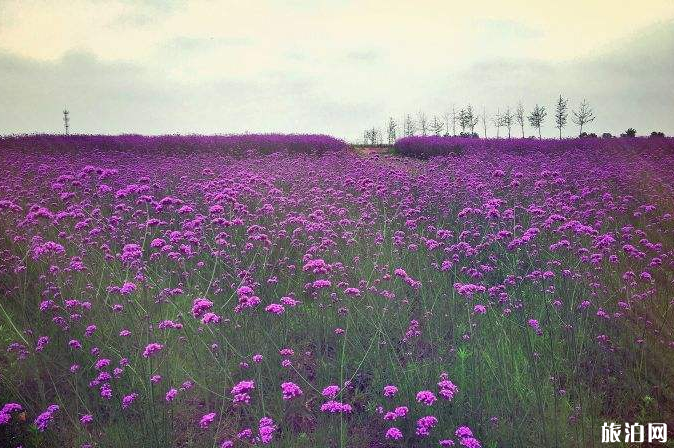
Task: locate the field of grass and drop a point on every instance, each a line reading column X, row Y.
column 179, row 295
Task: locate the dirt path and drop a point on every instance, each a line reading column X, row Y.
column 367, row 151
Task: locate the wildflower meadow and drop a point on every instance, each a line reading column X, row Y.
column 286, row 291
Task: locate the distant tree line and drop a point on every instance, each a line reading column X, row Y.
column 463, row 123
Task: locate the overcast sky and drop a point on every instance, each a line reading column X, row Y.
column 336, row 67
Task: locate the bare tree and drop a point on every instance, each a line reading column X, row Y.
column 454, row 117
column 463, row 120
column 423, row 123
column 583, row 116
column 472, row 119
column 446, row 116
column 436, row 126
column 519, row 116
column 497, row 121
column 484, row 121
column 391, row 130
column 536, row 118
column 507, row 120
column 409, row 127
column 373, row 137
column 561, row 114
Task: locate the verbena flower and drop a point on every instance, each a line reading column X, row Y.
column 394, row 433
column 171, row 395
column 290, row 390
column 390, row 390
column 330, row 391
column 43, row 420
column 275, row 308
column 480, row 309
column 206, row 420
column 426, row 397
column 152, row 349
column 128, row 399
column 463, row 431
column 336, row 407
column 86, row 419
column 425, row 424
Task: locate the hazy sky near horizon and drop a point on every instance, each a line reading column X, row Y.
column 336, row 67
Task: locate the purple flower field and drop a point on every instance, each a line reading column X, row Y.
column 237, row 291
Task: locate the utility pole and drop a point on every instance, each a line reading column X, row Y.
column 66, row 120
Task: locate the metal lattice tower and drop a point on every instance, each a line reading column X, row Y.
column 66, row 120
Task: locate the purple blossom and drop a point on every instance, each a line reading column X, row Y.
column 394, row 433
column 41, row 343
column 390, row 390
column 43, row 420
column 535, row 325
column 206, row 420
column 290, row 390
column 152, row 349
column 128, row 399
column 333, row 407
column 171, row 394
column 86, row 419
column 275, row 308
column 330, row 391
column 425, row 424
column 426, row 397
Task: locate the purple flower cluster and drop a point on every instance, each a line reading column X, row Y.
column 206, row 420
column 425, row 424
column 7, row 410
column 290, row 390
column 43, row 420
column 241, row 391
column 152, row 349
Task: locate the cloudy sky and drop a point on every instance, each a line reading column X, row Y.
column 331, row 66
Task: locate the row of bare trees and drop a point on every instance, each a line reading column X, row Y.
column 465, row 120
